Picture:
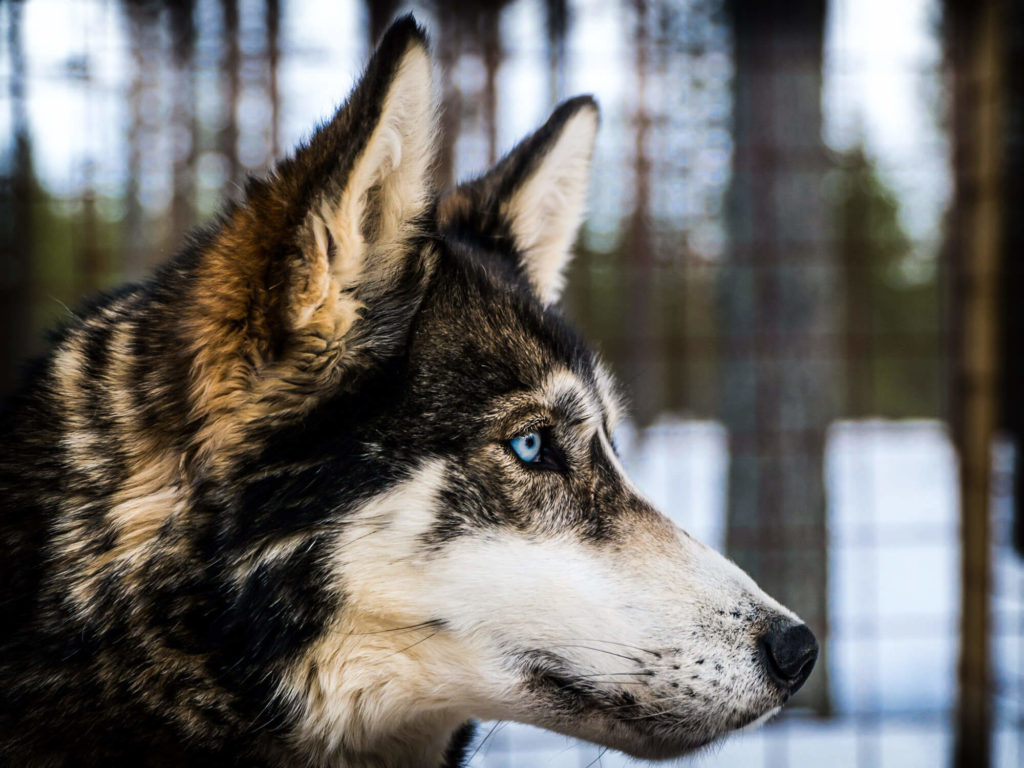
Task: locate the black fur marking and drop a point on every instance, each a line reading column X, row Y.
column 457, row 753
column 549, row 676
column 176, row 657
column 165, row 637
column 253, row 634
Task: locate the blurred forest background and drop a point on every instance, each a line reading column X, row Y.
column 797, row 260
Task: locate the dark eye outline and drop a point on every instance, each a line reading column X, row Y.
column 550, row 458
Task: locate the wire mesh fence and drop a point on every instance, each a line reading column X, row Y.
column 767, row 265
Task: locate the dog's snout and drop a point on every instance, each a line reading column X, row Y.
column 790, row 652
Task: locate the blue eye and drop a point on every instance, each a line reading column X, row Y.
column 527, row 447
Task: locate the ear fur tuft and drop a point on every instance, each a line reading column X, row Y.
column 536, row 194
column 546, row 210
column 356, row 230
column 316, row 275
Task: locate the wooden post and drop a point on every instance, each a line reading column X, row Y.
column 18, row 193
column 975, row 31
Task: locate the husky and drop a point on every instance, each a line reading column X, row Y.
column 339, row 481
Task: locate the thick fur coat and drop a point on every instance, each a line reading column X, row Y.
column 339, row 479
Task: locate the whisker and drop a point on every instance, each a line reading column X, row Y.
column 598, row 758
column 656, row 654
column 641, row 673
column 494, row 729
column 648, row 715
column 413, row 645
column 360, row 538
column 599, row 650
column 430, row 624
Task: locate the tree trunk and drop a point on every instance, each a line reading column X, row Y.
column 16, row 233
column 557, row 16
column 778, row 310
column 135, row 255
column 1011, row 321
column 273, row 25
column 184, row 125
column 975, row 33
column 380, row 13
column 643, row 370
column 449, row 49
column 231, row 65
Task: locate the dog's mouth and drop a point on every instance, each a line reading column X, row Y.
column 631, row 713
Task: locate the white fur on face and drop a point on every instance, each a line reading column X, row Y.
column 547, row 209
column 383, row 686
column 659, row 630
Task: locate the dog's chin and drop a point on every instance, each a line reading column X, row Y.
column 639, row 725
column 664, row 738
column 669, row 746
column 657, row 748
column 644, row 746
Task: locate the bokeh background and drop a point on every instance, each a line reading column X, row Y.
column 802, row 258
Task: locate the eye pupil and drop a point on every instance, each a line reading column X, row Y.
column 527, row 447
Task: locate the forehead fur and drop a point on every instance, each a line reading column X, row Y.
column 481, row 319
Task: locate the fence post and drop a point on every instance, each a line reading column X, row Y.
column 975, row 52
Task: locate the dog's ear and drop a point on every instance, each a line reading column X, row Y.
column 535, row 197
column 362, row 216
column 318, row 271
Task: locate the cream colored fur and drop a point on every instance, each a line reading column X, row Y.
column 381, row 685
column 394, row 167
column 393, row 172
column 546, row 211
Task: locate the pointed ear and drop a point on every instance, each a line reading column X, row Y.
column 536, row 196
column 360, row 218
column 317, row 245
column 317, row 273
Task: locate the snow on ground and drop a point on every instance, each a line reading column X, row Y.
column 894, row 597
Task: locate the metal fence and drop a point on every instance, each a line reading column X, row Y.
column 778, row 263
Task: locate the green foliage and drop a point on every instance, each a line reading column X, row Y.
column 75, row 253
column 893, row 353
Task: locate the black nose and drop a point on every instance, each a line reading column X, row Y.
column 790, row 652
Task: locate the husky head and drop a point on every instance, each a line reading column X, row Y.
column 397, row 470
column 449, row 439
